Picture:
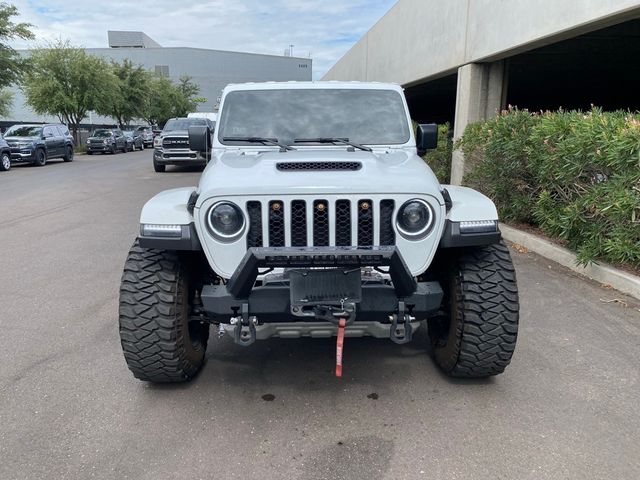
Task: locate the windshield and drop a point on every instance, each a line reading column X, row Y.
column 182, row 123
column 373, row 117
column 143, row 129
column 23, row 131
column 128, row 133
column 102, row 133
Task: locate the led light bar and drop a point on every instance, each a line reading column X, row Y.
column 479, row 226
column 166, row 231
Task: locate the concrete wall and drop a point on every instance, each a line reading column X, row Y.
column 422, row 39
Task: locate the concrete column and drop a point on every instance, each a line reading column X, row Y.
column 481, row 95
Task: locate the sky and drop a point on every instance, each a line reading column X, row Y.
column 322, row 29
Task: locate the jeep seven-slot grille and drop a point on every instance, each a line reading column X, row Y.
column 311, row 221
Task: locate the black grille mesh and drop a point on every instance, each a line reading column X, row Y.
column 318, row 166
column 276, row 224
column 254, row 236
column 365, row 223
column 321, row 223
column 298, row 223
column 387, row 233
column 343, row 223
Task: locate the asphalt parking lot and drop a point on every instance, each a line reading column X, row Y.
column 566, row 408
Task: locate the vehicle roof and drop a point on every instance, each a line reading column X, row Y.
column 38, row 125
column 314, row 84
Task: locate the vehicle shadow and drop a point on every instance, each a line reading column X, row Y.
column 184, row 168
column 308, row 365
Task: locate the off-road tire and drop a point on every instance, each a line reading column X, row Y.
column 158, row 341
column 5, row 162
column 159, row 167
column 69, row 155
column 112, row 150
column 41, row 158
column 477, row 334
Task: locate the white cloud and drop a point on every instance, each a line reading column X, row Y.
column 323, row 29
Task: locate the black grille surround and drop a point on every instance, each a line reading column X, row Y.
column 318, row 166
column 321, row 222
column 175, row 142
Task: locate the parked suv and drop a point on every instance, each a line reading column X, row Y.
column 146, row 133
column 5, row 155
column 106, row 140
column 316, row 217
column 171, row 147
column 38, row 143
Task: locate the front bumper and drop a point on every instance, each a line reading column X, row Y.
column 99, row 148
column 181, row 156
column 271, row 302
column 22, row 154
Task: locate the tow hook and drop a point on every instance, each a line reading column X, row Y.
column 401, row 329
column 341, row 317
column 244, row 332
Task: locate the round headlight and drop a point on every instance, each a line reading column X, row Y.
column 225, row 221
column 415, row 218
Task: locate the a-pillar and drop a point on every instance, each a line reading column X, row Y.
column 481, row 95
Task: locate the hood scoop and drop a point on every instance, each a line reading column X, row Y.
column 318, row 166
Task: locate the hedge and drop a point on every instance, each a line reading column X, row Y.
column 574, row 175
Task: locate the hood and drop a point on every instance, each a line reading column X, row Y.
column 175, row 133
column 242, row 173
column 21, row 139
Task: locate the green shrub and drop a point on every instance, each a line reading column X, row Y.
column 575, row 175
column 440, row 159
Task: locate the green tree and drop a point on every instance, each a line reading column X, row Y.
column 159, row 103
column 186, row 97
column 133, row 83
column 12, row 65
column 69, row 83
column 167, row 99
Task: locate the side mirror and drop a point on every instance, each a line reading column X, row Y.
column 200, row 138
column 426, row 137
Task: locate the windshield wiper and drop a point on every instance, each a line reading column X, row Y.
column 333, row 140
column 262, row 140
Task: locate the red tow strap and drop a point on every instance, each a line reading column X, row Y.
column 340, row 346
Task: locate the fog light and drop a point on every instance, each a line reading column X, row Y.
column 168, row 231
column 479, row 226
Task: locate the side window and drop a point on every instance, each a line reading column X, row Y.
column 48, row 132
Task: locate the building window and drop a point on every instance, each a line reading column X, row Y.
column 162, row 70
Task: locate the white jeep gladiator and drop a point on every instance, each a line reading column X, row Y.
column 316, row 217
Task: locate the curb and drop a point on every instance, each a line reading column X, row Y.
column 602, row 273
